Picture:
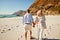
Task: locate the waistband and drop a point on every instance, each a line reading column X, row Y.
column 28, row 23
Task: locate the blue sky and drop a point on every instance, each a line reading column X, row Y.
column 11, row 6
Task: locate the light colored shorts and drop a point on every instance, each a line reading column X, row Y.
column 28, row 27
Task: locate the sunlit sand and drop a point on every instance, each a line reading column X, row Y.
column 13, row 29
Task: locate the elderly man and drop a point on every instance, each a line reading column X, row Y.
column 28, row 21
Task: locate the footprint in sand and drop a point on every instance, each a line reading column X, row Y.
column 6, row 25
column 17, row 26
column 12, row 27
column 21, row 36
column 4, row 28
column 50, row 28
column 0, row 29
column 1, row 32
column 9, row 29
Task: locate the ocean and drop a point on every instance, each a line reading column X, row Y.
column 7, row 16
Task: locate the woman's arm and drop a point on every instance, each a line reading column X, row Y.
column 36, row 20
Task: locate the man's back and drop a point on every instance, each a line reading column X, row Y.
column 27, row 18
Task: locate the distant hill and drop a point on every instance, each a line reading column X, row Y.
column 51, row 6
column 15, row 14
column 19, row 13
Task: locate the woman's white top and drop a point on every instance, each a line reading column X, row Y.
column 40, row 22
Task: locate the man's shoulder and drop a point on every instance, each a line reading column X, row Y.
column 29, row 14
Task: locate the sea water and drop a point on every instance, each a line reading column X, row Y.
column 7, row 16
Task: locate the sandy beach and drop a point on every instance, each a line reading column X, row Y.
column 13, row 29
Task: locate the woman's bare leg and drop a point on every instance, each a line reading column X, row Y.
column 40, row 34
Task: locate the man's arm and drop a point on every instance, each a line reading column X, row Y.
column 33, row 23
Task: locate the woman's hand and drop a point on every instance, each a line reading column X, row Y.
column 33, row 24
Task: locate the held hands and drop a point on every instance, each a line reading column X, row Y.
column 33, row 24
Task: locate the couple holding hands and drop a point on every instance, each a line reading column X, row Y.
column 29, row 22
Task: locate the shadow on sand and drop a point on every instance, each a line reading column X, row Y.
column 44, row 39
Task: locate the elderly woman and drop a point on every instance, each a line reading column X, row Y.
column 40, row 23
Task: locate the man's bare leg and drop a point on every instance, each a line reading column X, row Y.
column 30, row 34
column 25, row 35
